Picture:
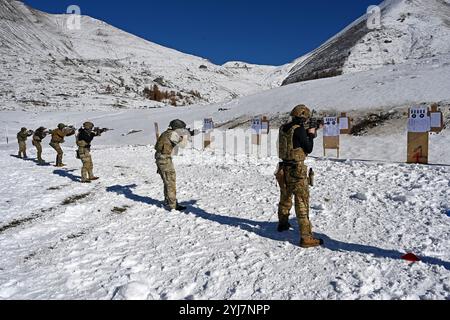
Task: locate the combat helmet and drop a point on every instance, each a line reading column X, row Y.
column 301, row 111
column 88, row 125
column 23, row 129
column 177, row 124
column 61, row 126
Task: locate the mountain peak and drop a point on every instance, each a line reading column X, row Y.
column 410, row 30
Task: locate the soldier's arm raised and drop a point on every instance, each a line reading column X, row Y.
column 175, row 138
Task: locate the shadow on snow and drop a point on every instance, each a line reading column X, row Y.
column 67, row 174
column 268, row 229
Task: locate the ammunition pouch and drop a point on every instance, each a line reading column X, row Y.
column 279, row 175
column 296, row 170
column 311, row 181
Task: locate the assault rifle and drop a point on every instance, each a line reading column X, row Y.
column 100, row 131
column 314, row 122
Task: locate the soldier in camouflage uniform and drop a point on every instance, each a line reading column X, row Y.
column 84, row 139
column 22, row 138
column 164, row 148
column 58, row 136
column 295, row 143
column 38, row 136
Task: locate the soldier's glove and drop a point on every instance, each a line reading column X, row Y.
column 193, row 132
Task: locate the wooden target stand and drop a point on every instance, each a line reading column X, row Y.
column 419, row 142
column 331, row 143
column 345, row 124
column 259, row 127
column 208, row 128
column 418, row 147
column 437, row 119
column 331, row 138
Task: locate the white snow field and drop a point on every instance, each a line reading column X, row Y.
column 61, row 239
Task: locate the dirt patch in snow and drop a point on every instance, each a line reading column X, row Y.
column 74, row 199
column 120, row 210
column 17, row 223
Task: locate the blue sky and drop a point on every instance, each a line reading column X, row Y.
column 264, row 32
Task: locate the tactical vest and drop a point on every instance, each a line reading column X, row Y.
column 39, row 136
column 164, row 146
column 58, row 136
column 286, row 150
column 22, row 137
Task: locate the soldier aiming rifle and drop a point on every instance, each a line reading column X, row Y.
column 58, row 136
column 296, row 141
column 165, row 145
column 84, row 139
column 22, row 137
column 39, row 135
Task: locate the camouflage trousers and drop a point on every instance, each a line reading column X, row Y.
column 87, row 171
column 168, row 175
column 59, row 152
column 38, row 147
column 294, row 185
column 22, row 149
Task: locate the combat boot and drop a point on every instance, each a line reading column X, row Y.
column 85, row 181
column 58, row 162
column 307, row 239
column 180, row 208
column 284, row 227
column 94, row 178
column 283, row 224
column 310, row 242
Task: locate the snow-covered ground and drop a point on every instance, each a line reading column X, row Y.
column 113, row 240
column 61, row 239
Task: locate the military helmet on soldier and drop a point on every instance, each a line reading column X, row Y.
column 61, row 126
column 88, row 125
column 23, row 129
column 177, row 124
column 301, row 111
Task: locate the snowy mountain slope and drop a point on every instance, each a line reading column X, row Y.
column 410, row 30
column 42, row 61
column 383, row 90
column 112, row 239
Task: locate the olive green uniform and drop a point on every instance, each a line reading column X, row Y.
column 38, row 136
column 58, row 136
column 84, row 153
column 292, row 177
column 164, row 148
column 22, row 137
